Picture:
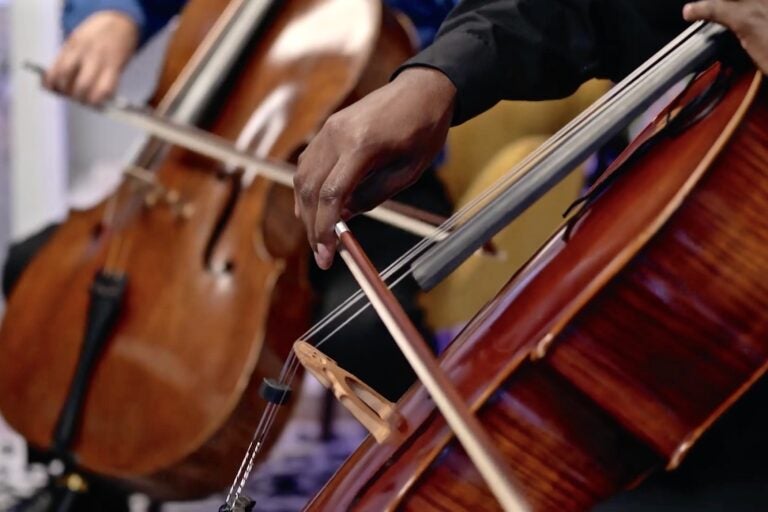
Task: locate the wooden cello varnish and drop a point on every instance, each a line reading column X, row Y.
column 214, row 299
column 607, row 356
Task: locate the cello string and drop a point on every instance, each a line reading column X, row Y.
column 528, row 163
column 245, row 466
column 261, row 433
column 615, row 95
column 290, row 367
column 118, row 207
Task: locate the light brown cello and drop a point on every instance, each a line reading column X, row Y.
column 189, row 285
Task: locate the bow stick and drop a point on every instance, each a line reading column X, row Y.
column 475, row 440
column 218, row 148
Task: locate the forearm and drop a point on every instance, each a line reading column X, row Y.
column 540, row 49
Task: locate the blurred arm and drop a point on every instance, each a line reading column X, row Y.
column 102, row 35
column 149, row 16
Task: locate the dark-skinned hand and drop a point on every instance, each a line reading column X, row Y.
column 369, row 151
column 748, row 19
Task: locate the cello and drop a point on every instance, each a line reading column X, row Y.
column 632, row 330
column 119, row 373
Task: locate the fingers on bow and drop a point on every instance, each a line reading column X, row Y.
column 87, row 79
column 103, row 87
column 726, row 12
column 61, row 76
column 323, row 182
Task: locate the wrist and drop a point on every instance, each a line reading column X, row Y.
column 431, row 77
column 435, row 85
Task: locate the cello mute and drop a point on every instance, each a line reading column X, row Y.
column 377, row 414
column 274, row 392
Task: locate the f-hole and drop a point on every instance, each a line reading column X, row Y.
column 234, row 182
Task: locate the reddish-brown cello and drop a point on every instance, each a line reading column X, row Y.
column 214, row 267
column 609, row 354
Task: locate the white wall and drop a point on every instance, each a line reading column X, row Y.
column 5, row 210
column 38, row 155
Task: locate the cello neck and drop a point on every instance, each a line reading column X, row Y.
column 693, row 50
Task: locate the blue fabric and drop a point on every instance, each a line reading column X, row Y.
column 152, row 15
column 149, row 15
column 427, row 15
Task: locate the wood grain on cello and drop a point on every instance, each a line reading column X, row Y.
column 606, row 357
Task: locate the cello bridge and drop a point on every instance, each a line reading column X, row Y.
column 373, row 411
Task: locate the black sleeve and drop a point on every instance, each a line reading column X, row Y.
column 542, row 49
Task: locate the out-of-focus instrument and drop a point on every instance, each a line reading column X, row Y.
column 135, row 343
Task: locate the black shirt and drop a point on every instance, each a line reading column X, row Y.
column 542, row 49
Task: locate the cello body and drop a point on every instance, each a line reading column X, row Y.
column 610, row 353
column 215, row 297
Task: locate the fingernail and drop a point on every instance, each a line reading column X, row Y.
column 323, row 256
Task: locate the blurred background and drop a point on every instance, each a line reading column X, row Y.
column 5, row 220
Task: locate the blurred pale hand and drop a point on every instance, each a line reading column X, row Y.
column 90, row 62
